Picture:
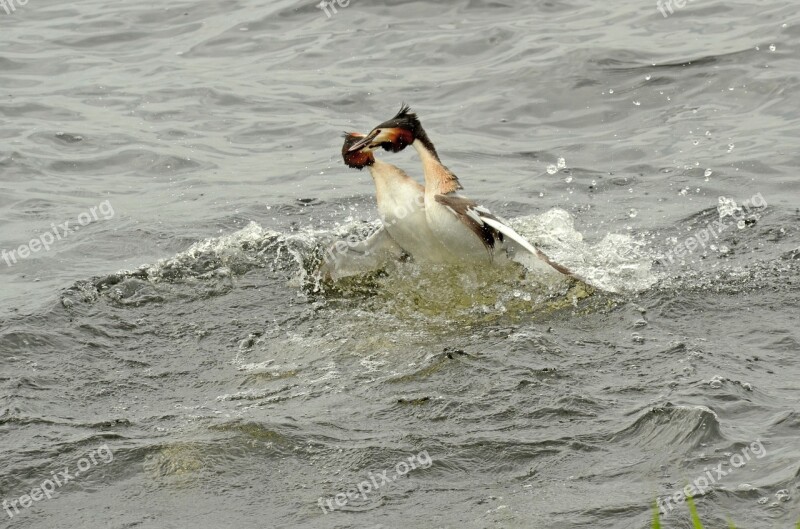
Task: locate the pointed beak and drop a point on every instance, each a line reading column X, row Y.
column 364, row 142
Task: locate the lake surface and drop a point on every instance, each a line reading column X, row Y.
column 171, row 172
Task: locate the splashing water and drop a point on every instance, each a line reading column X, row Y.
column 404, row 288
column 617, row 263
column 727, row 207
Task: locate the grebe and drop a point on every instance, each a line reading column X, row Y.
column 401, row 204
column 404, row 225
column 467, row 229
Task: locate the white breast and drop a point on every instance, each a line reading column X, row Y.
column 401, row 205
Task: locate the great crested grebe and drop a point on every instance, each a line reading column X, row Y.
column 467, row 229
column 404, row 226
column 401, row 204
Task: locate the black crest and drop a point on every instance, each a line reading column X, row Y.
column 408, row 121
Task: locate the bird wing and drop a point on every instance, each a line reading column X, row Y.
column 491, row 229
column 473, row 215
column 519, row 239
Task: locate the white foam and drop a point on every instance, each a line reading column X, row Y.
column 617, row 263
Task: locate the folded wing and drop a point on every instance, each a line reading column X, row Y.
column 472, row 215
column 493, row 230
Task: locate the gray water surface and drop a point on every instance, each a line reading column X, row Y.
column 175, row 356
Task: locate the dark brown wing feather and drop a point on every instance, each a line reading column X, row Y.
column 469, row 212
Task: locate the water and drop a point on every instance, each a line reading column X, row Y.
column 174, row 356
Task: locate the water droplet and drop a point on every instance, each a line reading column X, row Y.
column 594, row 183
column 637, row 103
column 568, row 179
column 632, row 213
column 726, row 207
column 695, row 142
column 541, row 195
column 707, row 173
column 724, row 249
column 610, row 90
column 772, row 47
column 763, row 501
column 552, row 169
column 684, row 191
column 562, row 163
column 782, row 495
column 647, row 77
column 730, row 147
column 741, row 224
column 708, row 133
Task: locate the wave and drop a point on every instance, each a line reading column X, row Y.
column 214, row 266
